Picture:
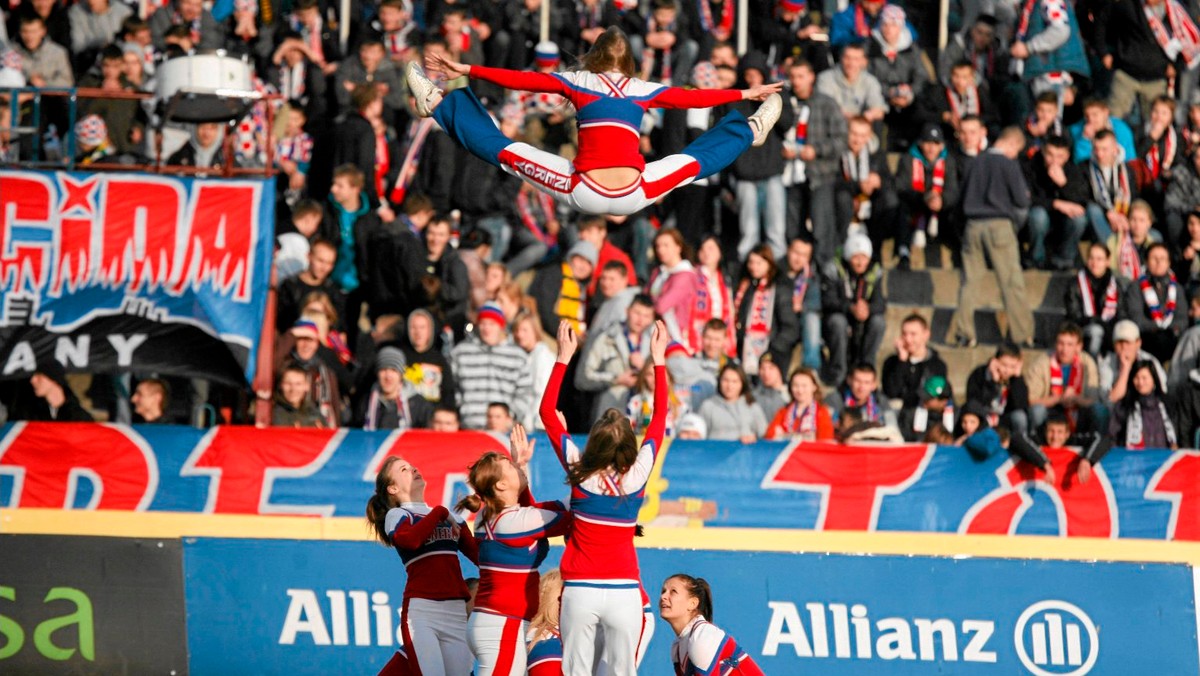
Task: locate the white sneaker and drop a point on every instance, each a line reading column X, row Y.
column 423, row 89
column 765, row 118
column 918, row 240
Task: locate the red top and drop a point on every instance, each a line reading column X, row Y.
column 428, row 541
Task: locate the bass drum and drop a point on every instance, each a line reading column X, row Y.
column 205, row 87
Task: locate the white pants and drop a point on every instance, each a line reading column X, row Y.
column 611, row 615
column 499, row 644
column 435, row 634
column 648, row 616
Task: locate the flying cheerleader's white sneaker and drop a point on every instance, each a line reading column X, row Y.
column 423, row 89
column 765, row 117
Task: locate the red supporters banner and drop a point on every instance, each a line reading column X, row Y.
column 108, row 272
column 822, row 486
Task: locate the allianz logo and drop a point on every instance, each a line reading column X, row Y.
column 1051, row 638
column 338, row 617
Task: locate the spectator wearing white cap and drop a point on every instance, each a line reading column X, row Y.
column 392, row 403
column 560, row 288
column 1114, row 368
column 489, row 367
column 853, row 305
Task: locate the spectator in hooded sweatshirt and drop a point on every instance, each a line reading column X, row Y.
column 428, row 369
column 57, row 401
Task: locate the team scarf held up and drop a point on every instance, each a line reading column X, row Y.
column 648, row 60
column 1059, row 386
column 706, row 16
column 1109, row 311
column 1179, row 37
column 964, row 104
column 1115, row 193
column 757, row 338
column 1162, row 314
column 311, row 34
column 1161, row 155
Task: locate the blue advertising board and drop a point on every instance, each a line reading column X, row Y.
column 305, row 607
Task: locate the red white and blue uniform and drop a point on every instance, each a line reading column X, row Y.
column 433, row 619
column 512, row 544
column 704, row 649
column 545, row 657
column 609, row 109
column 601, row 589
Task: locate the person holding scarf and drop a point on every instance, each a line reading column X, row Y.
column 1113, row 187
column 392, row 403
column 1147, row 44
column 1065, row 382
column 766, row 321
column 806, row 418
column 804, row 281
column 1095, row 299
column 714, row 294
column 853, row 307
column 1158, row 303
column 1141, row 419
column 1129, row 248
column 927, row 183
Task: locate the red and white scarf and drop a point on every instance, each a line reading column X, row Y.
column 760, row 321
column 870, row 407
column 801, row 423
column 964, row 104
column 1114, row 193
column 383, row 163
column 536, row 208
column 1129, row 260
column 1162, row 153
column 1089, row 299
column 417, row 133
column 938, row 184
column 861, row 28
column 1181, row 38
column 1162, row 314
column 648, row 59
column 1058, row 386
column 706, row 16
column 800, row 289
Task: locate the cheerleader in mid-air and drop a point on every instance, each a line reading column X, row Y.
column 701, row 648
column 601, row 602
column 433, row 618
column 512, row 533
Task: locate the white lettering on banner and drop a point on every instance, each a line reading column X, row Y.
column 893, row 639
column 22, row 358
column 125, row 346
column 74, row 352
column 305, row 615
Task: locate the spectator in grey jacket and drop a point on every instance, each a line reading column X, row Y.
column 812, row 146
column 611, row 363
column 489, row 367
column 856, row 91
column 732, row 415
column 43, row 62
column 896, row 63
column 371, row 65
column 94, row 26
column 189, row 13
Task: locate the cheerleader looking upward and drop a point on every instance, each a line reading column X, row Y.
column 601, row 602
column 433, row 617
column 513, row 533
column 701, row 647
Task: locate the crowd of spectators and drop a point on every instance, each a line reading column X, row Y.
column 417, row 285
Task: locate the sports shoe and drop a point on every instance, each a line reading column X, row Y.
column 423, row 89
column 765, row 117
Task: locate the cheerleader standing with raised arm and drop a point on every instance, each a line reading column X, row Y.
column 608, row 485
column 701, row 648
column 512, row 539
column 433, row 618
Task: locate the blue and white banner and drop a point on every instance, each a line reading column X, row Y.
column 111, row 271
column 303, row 607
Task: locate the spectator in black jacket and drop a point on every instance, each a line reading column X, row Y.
column 853, row 307
column 788, row 34
column 355, row 139
column 1096, row 299
column 58, row 402
column 295, row 75
column 668, row 54
column 322, row 256
column 392, row 403
column 927, row 184
column 905, row 373
column 1158, row 303
column 1140, row 65
column 395, row 261
column 963, row 96
column 766, row 321
column 445, row 282
column 1059, row 195
column 1000, row 390
column 427, row 364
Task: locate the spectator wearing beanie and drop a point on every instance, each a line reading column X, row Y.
column 393, row 403
column 302, row 347
column 895, row 60
column 58, row 402
column 91, row 141
column 488, row 367
column 853, row 307
column 1116, row 366
column 560, row 288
